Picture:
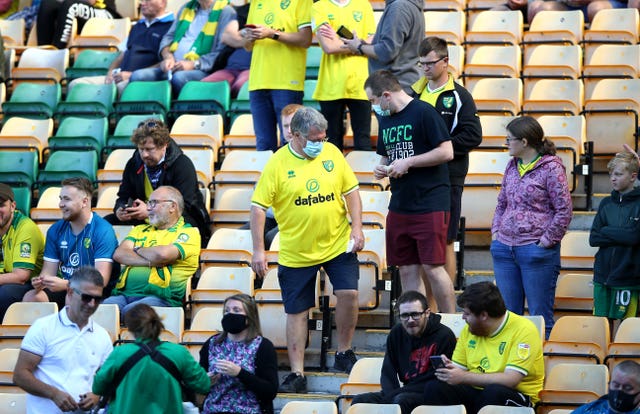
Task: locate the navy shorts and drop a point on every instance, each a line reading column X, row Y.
column 298, row 284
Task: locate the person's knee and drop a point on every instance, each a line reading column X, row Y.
column 347, row 296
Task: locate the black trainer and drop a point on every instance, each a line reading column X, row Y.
column 294, row 384
column 344, row 361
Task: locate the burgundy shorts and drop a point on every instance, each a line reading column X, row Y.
column 417, row 238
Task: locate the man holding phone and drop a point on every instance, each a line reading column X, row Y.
column 414, row 351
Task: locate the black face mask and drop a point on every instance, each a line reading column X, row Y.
column 234, row 322
column 621, row 401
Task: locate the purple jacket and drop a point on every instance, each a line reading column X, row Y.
column 534, row 208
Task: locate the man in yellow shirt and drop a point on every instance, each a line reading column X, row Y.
column 310, row 186
column 497, row 360
column 158, row 258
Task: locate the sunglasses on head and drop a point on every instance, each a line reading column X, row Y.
column 149, row 124
column 87, row 298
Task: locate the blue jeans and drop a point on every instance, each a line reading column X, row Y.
column 266, row 105
column 178, row 79
column 125, row 303
column 530, row 271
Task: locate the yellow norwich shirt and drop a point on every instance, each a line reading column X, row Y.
column 306, row 196
column 22, row 246
column 342, row 76
column 167, row 282
column 275, row 65
column 516, row 345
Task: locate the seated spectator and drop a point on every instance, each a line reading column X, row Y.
column 624, row 392
column 60, row 353
column 588, row 7
column 55, row 18
column 159, row 257
column 22, row 246
column 407, row 365
column 158, row 161
column 145, row 376
column 241, row 362
column 142, row 46
column 27, row 13
column 232, row 65
column 80, row 238
column 190, row 48
column 497, row 360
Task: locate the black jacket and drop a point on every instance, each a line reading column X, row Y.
column 407, row 357
column 616, row 231
column 178, row 172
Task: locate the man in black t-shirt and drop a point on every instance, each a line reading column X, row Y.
column 415, row 146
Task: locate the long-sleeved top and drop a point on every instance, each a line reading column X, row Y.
column 616, row 231
column 535, row 207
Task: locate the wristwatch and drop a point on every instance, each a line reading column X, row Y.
column 275, row 36
column 197, row 64
column 360, row 48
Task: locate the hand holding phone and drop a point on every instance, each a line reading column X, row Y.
column 436, row 361
column 129, row 203
column 344, row 32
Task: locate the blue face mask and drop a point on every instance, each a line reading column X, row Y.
column 378, row 110
column 313, row 148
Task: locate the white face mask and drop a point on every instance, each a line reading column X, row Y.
column 378, row 110
column 313, row 148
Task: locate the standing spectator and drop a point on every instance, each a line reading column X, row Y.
column 497, row 360
column 279, row 43
column 527, row 231
column 414, row 146
column 458, row 110
column 158, row 161
column 410, row 344
column 616, row 233
column 152, row 384
column 343, row 72
column 624, row 392
column 55, row 18
column 61, row 353
column 80, row 238
column 395, row 44
column 191, row 46
column 242, row 363
column 159, row 258
column 310, row 185
column 232, row 64
column 142, row 46
column 21, row 254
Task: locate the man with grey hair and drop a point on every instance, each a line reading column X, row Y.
column 61, row 353
column 311, row 189
column 158, row 258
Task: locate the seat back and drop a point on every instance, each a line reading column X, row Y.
column 365, row 408
column 448, row 25
column 440, row 409
column 309, row 407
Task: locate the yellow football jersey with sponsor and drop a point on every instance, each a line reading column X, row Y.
column 517, row 345
column 342, row 76
column 306, row 196
column 22, row 246
column 275, row 65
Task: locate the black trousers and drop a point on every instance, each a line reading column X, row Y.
column 440, row 393
column 360, row 113
column 407, row 400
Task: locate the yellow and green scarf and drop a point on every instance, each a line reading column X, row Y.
column 204, row 41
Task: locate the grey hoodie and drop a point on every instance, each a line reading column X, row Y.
column 397, row 38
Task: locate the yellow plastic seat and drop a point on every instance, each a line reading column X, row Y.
column 572, row 385
column 448, row 25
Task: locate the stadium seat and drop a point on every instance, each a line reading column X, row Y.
column 130, row 8
column 486, row 167
column 47, row 210
column 554, row 97
column 231, row 208
column 498, row 96
column 439, row 409
column 106, row 201
column 609, row 26
column 12, row 32
column 365, row 408
column 26, row 133
column 309, row 89
column 13, row 403
column 173, row 321
column 32, row 100
column 79, row 133
column 492, row 62
column 611, row 61
column 494, row 130
column 204, row 324
column 197, row 97
column 478, row 206
column 111, row 174
column 40, row 65
column 551, row 26
column 574, row 295
column 18, row 319
column 314, row 54
column 626, row 343
column 362, row 163
column 108, row 316
column 575, row 252
column 495, row 27
column 121, row 137
column 456, row 60
column 101, row 33
column 18, row 168
column 572, row 385
column 240, row 168
column 63, row 164
column 240, row 105
column 88, row 100
column 453, row 321
column 8, row 359
column 501, row 409
column 309, row 407
column 448, row 25
column 552, row 62
column 91, row 63
column 364, row 377
column 152, row 98
column 199, row 131
column 23, row 198
column 217, row 283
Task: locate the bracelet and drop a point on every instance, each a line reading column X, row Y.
column 360, row 48
column 136, row 250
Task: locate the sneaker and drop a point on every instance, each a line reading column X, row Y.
column 294, row 383
column 344, row 361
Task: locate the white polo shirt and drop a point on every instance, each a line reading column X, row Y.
column 70, row 357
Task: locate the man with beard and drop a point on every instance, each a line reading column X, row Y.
column 498, row 358
column 81, row 238
column 624, row 392
column 410, row 346
column 159, row 257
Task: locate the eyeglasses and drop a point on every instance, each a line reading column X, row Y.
column 413, row 315
column 150, row 124
column 429, row 64
column 154, row 203
column 87, row 298
column 510, row 140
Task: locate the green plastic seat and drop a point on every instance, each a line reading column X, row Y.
column 309, row 88
column 23, row 198
column 33, row 100
column 121, row 137
column 314, row 54
column 19, row 168
column 240, row 105
column 91, row 62
column 198, row 97
column 65, row 164
column 80, row 134
column 144, row 98
column 89, row 100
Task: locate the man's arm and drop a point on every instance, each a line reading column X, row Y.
column 231, row 35
column 104, row 267
column 259, row 260
column 330, row 42
column 439, row 155
column 301, row 38
column 156, row 256
column 454, row 375
column 23, row 377
column 354, row 204
column 18, row 275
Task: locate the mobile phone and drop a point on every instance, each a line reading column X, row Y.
column 436, row 361
column 344, row 32
column 129, row 203
column 250, row 26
